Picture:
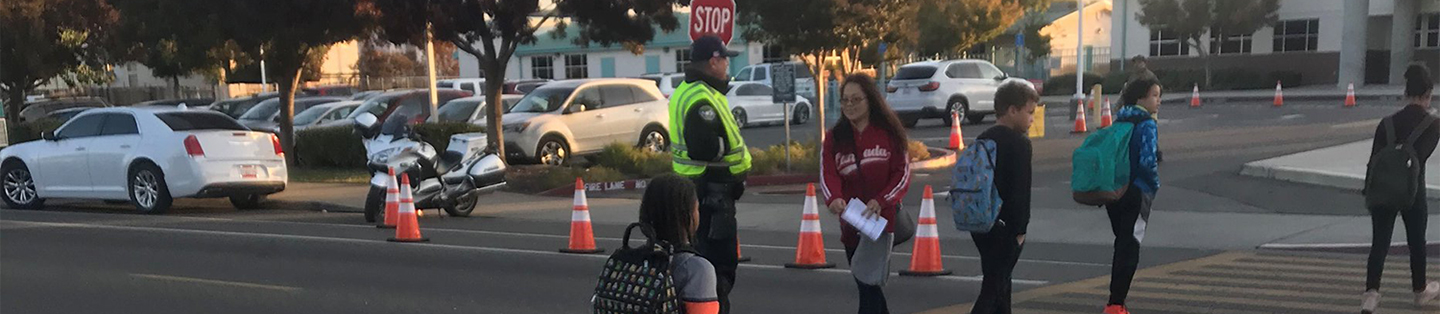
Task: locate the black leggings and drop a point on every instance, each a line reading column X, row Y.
column 872, row 298
column 999, row 251
column 1384, row 224
column 1128, row 217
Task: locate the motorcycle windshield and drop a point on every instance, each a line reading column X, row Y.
column 397, row 125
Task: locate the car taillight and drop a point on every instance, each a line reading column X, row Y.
column 891, row 89
column 192, row 146
column 274, row 140
column 930, row 87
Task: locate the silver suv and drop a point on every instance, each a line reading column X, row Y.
column 934, row 89
column 563, row 119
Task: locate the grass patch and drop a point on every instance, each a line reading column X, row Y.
column 329, row 175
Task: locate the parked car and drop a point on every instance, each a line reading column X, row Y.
column 804, row 80
column 474, row 85
column 189, row 102
column 266, row 115
column 752, row 103
column 578, row 117
column 666, row 82
column 513, row 87
column 384, row 104
column 472, row 109
column 362, row 96
column 331, row 90
column 63, row 115
column 40, row 109
column 146, row 156
column 322, row 113
column 236, row 107
column 526, row 88
column 935, row 89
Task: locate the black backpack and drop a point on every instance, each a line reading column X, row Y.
column 1392, row 178
column 638, row 279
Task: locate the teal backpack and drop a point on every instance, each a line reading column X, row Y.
column 1101, row 165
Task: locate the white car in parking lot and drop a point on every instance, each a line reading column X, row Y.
column 146, row 156
column 935, row 89
column 752, row 103
column 804, row 80
column 563, row 119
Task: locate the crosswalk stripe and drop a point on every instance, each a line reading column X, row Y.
column 1348, row 268
column 1356, row 260
column 1228, row 300
column 1283, row 274
column 1352, row 289
column 1095, row 304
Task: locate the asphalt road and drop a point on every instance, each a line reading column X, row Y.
column 89, row 258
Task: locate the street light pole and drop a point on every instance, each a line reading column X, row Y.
column 264, row 82
column 1080, row 50
column 430, row 67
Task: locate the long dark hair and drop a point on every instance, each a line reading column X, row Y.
column 668, row 207
column 880, row 115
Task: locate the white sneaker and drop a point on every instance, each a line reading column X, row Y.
column 1432, row 290
column 1369, row 301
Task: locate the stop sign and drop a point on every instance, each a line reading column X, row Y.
column 712, row 17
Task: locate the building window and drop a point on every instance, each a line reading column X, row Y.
column 1427, row 31
column 1164, row 43
column 682, row 59
column 542, row 67
column 1233, row 44
column 1297, row 35
column 576, row 66
column 774, row 54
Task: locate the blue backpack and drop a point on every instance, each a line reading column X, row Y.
column 973, row 197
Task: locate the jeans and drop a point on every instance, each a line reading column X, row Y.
column 1383, row 224
column 1128, row 217
column 715, row 238
column 872, row 298
column 999, row 251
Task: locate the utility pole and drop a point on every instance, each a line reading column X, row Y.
column 264, row 82
column 430, row 69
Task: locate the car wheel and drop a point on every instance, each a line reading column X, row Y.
column 801, row 114
column 909, row 122
column 655, row 140
column 247, row 201
column 740, row 118
column 957, row 106
column 552, row 151
column 148, row 191
column 374, row 203
column 20, row 192
column 463, row 206
column 975, row 118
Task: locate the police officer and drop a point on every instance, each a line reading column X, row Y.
column 708, row 149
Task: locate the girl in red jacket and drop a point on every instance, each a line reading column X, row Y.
column 864, row 157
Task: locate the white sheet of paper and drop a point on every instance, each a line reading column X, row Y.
column 855, row 215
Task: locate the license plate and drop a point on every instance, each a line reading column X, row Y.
column 249, row 171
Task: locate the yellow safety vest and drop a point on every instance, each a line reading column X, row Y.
column 684, row 99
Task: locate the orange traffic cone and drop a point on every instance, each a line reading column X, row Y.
column 1279, row 96
column 740, row 257
column 1195, row 97
column 582, row 236
column 1080, row 118
column 1350, row 96
column 1105, row 118
column 810, row 253
column 957, row 141
column 407, row 229
column 925, row 257
column 392, row 203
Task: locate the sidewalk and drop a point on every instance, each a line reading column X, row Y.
column 1341, row 166
column 1311, row 92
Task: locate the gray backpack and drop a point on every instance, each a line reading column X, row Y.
column 1392, row 178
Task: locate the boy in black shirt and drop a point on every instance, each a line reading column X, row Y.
column 1000, row 248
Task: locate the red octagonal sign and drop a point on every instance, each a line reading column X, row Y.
column 712, row 17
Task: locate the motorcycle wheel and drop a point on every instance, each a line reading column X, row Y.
column 374, row 204
column 463, row 206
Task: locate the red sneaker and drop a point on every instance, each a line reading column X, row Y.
column 1116, row 309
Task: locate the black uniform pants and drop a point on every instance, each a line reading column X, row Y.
column 1383, row 223
column 715, row 238
column 999, row 251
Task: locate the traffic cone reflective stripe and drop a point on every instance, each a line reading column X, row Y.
column 582, row 235
column 1279, row 96
column 392, row 202
column 925, row 257
column 1195, row 97
column 810, row 252
column 407, row 228
column 957, row 141
column 1105, row 118
column 1350, row 95
column 1080, row 118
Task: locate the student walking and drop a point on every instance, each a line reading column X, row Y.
column 672, row 209
column 864, row 157
column 1129, row 214
column 1000, row 248
column 1415, row 148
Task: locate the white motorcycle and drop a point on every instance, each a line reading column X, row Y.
column 453, row 180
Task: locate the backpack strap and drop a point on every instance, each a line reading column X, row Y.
column 1389, row 125
column 1425, row 124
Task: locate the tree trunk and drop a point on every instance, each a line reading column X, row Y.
column 1204, row 60
column 14, row 101
column 175, row 86
column 289, row 81
column 494, row 108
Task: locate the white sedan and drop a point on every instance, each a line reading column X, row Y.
column 751, row 103
column 148, row 156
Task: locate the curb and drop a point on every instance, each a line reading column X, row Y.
column 946, row 160
column 316, row 206
column 1339, row 98
column 1343, row 181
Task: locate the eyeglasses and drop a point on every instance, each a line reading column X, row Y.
column 852, row 100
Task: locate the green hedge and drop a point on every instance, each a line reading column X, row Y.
column 803, row 159
column 340, row 147
column 533, row 179
column 1065, row 84
column 438, row 134
column 631, row 160
column 30, row 131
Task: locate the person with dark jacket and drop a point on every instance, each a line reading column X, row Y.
column 1418, row 91
column 707, row 148
column 1129, row 214
column 1000, row 248
column 864, row 157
